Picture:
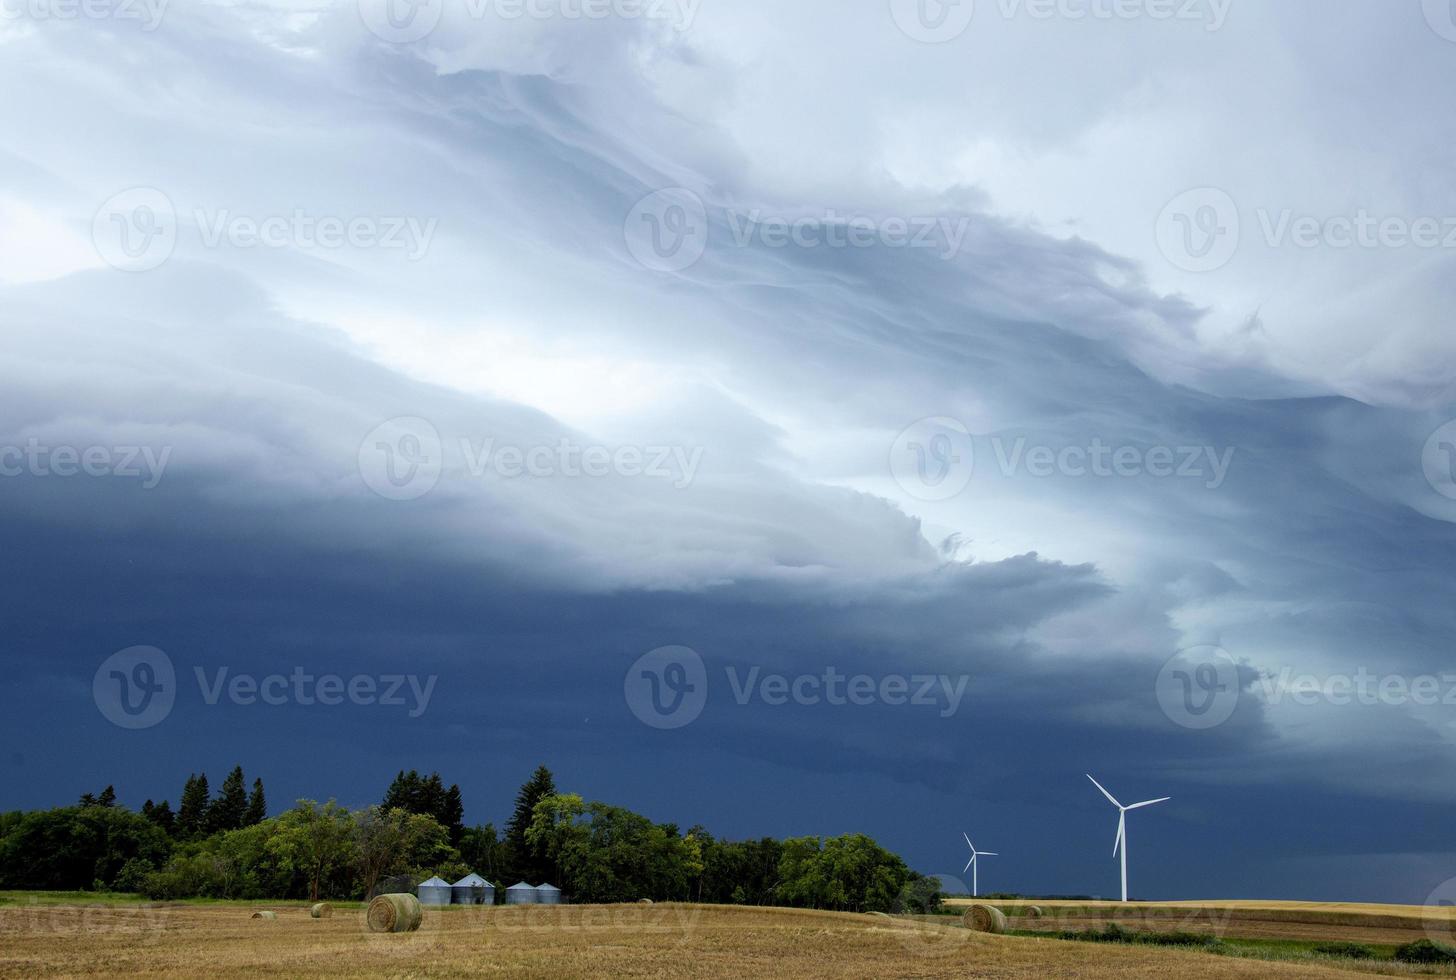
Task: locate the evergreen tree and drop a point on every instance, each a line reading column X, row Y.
column 538, row 787
column 230, row 808
column 257, row 806
column 161, row 815
column 452, row 815
column 427, row 795
column 192, row 811
column 87, row 799
column 107, row 797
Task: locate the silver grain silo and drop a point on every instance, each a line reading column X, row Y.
column 548, row 895
column 469, row 890
column 435, row 892
column 521, row 894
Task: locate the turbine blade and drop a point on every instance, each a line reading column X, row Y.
column 968, row 841
column 968, row 865
column 1138, row 806
column 987, row 854
column 1112, row 799
column 1121, row 830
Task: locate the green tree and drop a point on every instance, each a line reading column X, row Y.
column 192, row 811
column 161, row 815
column 230, row 809
column 387, row 842
column 315, row 839
column 528, row 863
column 257, row 806
column 74, row 847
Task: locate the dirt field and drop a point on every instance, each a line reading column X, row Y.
column 570, row 941
column 1348, row 922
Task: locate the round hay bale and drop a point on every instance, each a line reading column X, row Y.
column 644, row 901
column 394, row 913
column 1032, row 912
column 984, row 918
column 321, row 910
column 265, row 914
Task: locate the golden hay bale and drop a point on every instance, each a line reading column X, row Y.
column 1032, row 912
column 984, row 918
column 394, row 913
column 321, row 910
column 265, row 914
column 644, row 901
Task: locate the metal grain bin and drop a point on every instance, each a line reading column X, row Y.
column 548, row 895
column 521, row 894
column 435, row 892
column 469, row 890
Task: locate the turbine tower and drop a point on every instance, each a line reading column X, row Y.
column 1121, row 843
column 974, row 866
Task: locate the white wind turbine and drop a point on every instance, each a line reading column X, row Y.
column 974, row 865
column 1121, row 844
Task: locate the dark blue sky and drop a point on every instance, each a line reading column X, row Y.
column 1110, row 515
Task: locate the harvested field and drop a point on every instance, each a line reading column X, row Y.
column 664, row 940
column 1381, row 924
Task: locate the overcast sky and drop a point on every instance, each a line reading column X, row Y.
column 1089, row 360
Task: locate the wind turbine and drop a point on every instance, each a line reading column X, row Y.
column 1121, row 843
column 974, row 866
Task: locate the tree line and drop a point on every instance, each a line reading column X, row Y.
column 226, row 846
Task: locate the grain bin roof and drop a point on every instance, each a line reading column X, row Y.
column 547, row 888
column 471, row 881
column 435, row 883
